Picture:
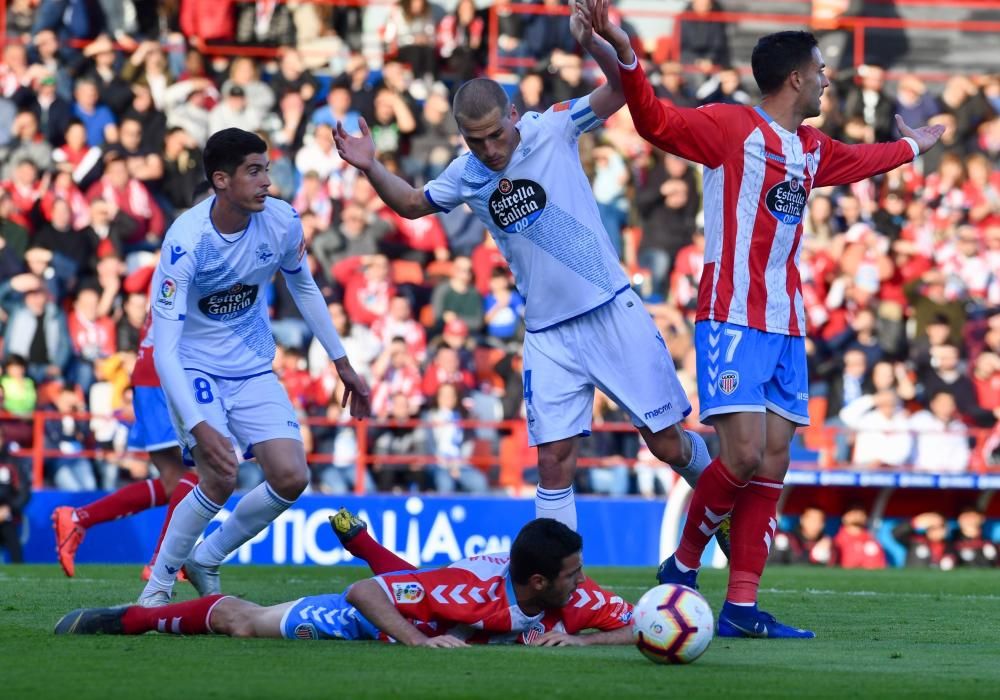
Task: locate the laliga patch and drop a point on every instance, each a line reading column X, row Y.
column 306, row 631
column 516, row 204
column 227, row 304
column 407, row 593
column 728, row 381
column 786, row 201
column 165, row 294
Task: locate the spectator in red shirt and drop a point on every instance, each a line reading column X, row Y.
column 25, row 189
column 986, row 378
column 854, row 546
column 446, row 369
column 93, row 337
column 420, row 239
column 807, row 543
column 396, row 373
column 207, row 21
column 486, row 258
column 399, row 323
column 367, row 289
column 130, row 196
column 290, row 366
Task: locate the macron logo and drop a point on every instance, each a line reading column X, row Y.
column 658, row 411
column 176, row 253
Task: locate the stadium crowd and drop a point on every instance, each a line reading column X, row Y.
column 901, row 274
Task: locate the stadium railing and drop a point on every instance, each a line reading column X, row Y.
column 858, row 25
column 507, row 452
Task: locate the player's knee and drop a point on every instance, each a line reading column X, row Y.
column 290, row 484
column 744, row 461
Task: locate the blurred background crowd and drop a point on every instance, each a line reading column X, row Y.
column 110, row 103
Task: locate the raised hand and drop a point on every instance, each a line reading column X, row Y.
column 580, row 22
column 607, row 29
column 359, row 151
column 925, row 136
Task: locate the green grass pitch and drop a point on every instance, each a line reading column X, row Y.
column 880, row 634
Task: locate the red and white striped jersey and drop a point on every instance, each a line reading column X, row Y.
column 757, row 180
column 144, row 372
column 473, row 599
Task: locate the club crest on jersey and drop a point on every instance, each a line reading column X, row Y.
column 306, row 631
column 407, row 593
column 263, row 254
column 786, row 201
column 227, row 304
column 728, row 381
column 516, row 204
column 165, row 295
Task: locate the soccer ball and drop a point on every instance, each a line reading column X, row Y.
column 672, row 624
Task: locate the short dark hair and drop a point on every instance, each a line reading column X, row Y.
column 227, row 149
column 776, row 55
column 478, row 97
column 540, row 548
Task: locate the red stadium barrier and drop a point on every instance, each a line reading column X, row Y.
column 512, row 457
column 856, row 24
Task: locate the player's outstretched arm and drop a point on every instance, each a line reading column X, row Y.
column 608, row 98
column 842, row 164
column 622, row 635
column 369, row 598
column 312, row 306
column 396, row 192
column 699, row 135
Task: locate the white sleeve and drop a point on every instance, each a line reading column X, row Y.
column 572, row 117
column 445, row 191
column 306, row 294
column 169, row 303
column 853, row 414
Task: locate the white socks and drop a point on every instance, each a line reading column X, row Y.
column 558, row 504
column 700, row 459
column 255, row 511
column 188, row 521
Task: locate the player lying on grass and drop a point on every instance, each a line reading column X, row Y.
column 537, row 594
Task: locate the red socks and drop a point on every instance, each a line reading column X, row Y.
column 751, row 534
column 125, row 501
column 712, row 501
column 183, row 488
column 380, row 559
column 190, row 617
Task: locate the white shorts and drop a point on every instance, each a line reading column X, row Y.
column 247, row 410
column 616, row 348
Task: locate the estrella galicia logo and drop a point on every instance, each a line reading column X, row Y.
column 227, row 304
column 786, row 201
column 263, row 254
column 516, row 204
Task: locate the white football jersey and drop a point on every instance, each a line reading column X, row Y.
column 542, row 213
column 216, row 284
